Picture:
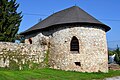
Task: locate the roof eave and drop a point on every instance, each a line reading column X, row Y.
column 107, row 28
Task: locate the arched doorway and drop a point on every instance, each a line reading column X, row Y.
column 74, row 45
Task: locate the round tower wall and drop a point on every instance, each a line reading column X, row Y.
column 92, row 55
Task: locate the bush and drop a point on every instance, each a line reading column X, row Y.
column 110, row 53
column 117, row 56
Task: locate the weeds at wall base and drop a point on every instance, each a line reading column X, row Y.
column 14, row 60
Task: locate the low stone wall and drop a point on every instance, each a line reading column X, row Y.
column 13, row 55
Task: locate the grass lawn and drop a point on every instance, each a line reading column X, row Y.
column 51, row 74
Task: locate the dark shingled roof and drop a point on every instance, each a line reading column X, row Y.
column 70, row 15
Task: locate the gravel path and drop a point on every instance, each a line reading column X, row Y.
column 113, row 78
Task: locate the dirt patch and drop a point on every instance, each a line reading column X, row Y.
column 113, row 66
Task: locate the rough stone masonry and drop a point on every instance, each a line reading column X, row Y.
column 20, row 54
column 92, row 55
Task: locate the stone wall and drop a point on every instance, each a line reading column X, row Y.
column 92, row 56
column 21, row 55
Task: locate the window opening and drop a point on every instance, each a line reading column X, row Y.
column 30, row 40
column 77, row 63
column 74, row 45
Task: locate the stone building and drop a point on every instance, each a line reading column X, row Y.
column 76, row 41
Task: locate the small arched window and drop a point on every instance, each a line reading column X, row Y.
column 30, row 40
column 74, row 45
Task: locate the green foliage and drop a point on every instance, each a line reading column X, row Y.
column 9, row 20
column 34, row 66
column 13, row 65
column 117, row 56
column 25, row 66
column 46, row 59
column 51, row 74
column 111, row 52
column 20, row 38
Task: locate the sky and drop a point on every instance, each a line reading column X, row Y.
column 106, row 11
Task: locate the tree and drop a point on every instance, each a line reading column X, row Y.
column 20, row 38
column 110, row 53
column 9, row 20
column 117, row 56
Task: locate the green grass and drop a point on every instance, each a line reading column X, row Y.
column 51, row 74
